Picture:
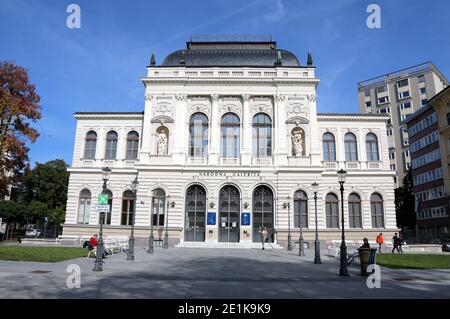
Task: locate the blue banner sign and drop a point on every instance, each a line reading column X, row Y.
column 245, row 219
column 211, row 218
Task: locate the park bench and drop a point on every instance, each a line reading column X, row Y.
column 68, row 240
column 113, row 245
column 334, row 248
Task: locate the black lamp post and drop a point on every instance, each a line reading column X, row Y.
column 343, row 271
column 288, row 206
column 98, row 264
column 166, row 235
column 151, row 238
column 130, row 255
column 317, row 260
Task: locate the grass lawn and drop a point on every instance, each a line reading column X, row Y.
column 414, row 261
column 42, row 254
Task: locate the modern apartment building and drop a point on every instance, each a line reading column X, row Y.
column 400, row 94
column 429, row 133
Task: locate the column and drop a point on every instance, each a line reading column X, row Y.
column 100, row 146
column 316, row 157
column 180, row 131
column 214, row 141
column 246, row 131
column 280, row 130
column 145, row 150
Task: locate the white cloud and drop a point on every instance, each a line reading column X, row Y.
column 277, row 14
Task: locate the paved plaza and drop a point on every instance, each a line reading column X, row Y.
column 215, row 273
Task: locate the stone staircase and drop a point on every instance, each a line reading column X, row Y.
column 194, row 244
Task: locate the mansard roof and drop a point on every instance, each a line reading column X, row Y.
column 231, row 53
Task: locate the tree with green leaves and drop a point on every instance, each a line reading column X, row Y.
column 405, row 203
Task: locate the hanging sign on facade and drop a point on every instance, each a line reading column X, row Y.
column 102, row 208
column 245, row 219
column 211, row 218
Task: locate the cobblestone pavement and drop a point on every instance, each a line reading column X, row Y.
column 215, row 273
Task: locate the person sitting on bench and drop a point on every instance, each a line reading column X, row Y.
column 352, row 257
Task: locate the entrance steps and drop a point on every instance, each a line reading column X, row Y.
column 197, row 244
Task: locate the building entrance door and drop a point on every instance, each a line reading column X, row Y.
column 263, row 213
column 229, row 207
column 195, row 214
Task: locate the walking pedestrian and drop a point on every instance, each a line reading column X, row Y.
column 380, row 241
column 395, row 242
column 400, row 243
column 264, row 234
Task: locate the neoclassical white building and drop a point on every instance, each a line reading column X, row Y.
column 230, row 133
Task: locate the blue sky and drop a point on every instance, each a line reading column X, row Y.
column 97, row 67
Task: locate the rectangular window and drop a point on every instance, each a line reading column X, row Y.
column 383, row 99
column 448, row 118
column 368, row 104
column 389, row 132
column 403, row 95
column 382, row 88
column 423, row 90
column 421, row 78
column 367, row 93
column 392, row 167
column 406, row 105
column 402, row 83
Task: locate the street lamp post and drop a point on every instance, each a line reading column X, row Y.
column 130, row 255
column 151, row 238
column 166, row 235
column 343, row 271
column 98, row 265
column 317, row 260
column 288, row 206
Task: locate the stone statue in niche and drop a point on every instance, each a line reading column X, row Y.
column 162, row 143
column 297, row 142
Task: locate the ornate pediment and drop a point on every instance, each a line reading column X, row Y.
column 163, row 108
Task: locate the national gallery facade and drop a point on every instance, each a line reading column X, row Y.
column 230, row 141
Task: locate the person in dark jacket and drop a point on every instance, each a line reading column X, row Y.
column 395, row 242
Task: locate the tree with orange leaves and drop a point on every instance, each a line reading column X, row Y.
column 19, row 108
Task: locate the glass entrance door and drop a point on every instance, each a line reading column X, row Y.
column 195, row 214
column 229, row 207
column 262, row 213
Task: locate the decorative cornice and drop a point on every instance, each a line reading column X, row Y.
column 279, row 97
column 148, row 97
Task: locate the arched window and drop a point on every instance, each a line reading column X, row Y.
column 332, row 210
column 111, row 145
column 90, row 145
column 132, row 145
column 128, row 200
column 84, row 206
column 377, row 210
column 159, row 207
column 107, row 221
column 329, row 147
column 354, row 211
column 300, row 209
column 198, row 132
column 351, row 150
column 229, row 129
column 372, row 147
column 195, row 213
column 262, row 135
column 162, row 140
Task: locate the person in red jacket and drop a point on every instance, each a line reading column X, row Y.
column 93, row 242
column 380, row 241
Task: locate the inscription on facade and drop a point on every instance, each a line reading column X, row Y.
column 231, row 174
